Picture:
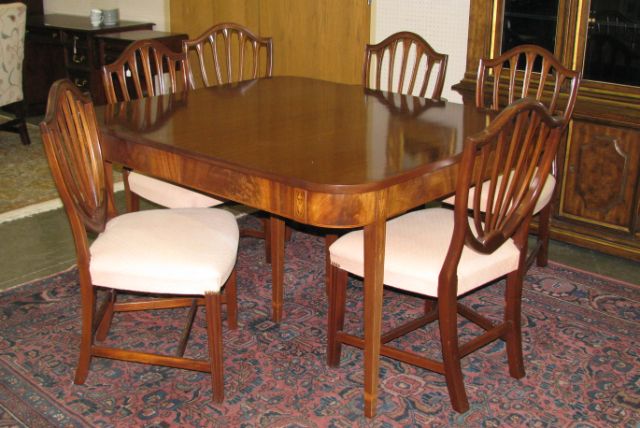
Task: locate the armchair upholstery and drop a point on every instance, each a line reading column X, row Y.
column 13, row 17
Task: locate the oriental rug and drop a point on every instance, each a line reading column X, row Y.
column 581, row 335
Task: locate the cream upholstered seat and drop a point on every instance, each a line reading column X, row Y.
column 416, row 247
column 442, row 254
column 135, row 75
column 168, row 194
column 13, row 18
column 176, row 251
column 187, row 253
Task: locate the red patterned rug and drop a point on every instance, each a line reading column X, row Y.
column 581, row 335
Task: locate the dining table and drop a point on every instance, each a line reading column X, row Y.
column 320, row 153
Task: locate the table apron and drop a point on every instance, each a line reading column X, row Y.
column 331, row 209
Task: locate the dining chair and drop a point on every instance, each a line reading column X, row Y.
column 229, row 53
column 440, row 254
column 530, row 70
column 404, row 63
column 144, row 69
column 193, row 260
column 13, row 18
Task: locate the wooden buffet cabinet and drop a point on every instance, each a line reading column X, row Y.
column 597, row 200
column 59, row 46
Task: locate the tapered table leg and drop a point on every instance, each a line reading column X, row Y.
column 374, row 242
column 277, row 230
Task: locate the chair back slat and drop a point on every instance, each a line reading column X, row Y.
column 408, row 62
column 552, row 83
column 146, row 68
column 71, row 141
column 509, row 161
column 232, row 51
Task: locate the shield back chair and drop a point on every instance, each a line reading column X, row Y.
column 193, row 260
column 229, row 53
column 13, row 18
column 440, row 254
column 530, row 70
column 147, row 68
column 403, row 63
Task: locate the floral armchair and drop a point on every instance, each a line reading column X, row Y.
column 12, row 30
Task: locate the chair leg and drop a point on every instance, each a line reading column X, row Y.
column 86, row 338
column 451, row 354
column 513, row 321
column 213, row 303
column 21, row 114
column 132, row 200
column 231, row 298
column 329, row 239
column 544, row 220
column 337, row 300
column 107, row 318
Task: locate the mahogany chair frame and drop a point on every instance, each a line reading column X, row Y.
column 71, row 141
column 239, row 46
column 408, row 78
column 500, row 82
column 524, row 139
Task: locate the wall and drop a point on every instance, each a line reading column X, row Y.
column 442, row 23
column 156, row 11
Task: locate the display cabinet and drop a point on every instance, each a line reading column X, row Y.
column 597, row 200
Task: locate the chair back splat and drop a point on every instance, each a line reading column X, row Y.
column 530, row 71
column 146, row 68
column 228, row 53
column 527, row 71
column 404, row 63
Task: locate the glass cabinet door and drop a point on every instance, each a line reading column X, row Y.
column 530, row 22
column 613, row 42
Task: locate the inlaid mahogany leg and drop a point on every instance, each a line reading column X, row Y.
column 276, row 229
column 374, row 242
column 213, row 303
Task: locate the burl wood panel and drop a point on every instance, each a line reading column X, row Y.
column 601, row 174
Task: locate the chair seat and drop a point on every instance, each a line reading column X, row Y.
column 177, row 251
column 416, row 246
column 167, row 194
column 543, row 201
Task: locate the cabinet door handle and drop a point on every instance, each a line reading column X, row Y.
column 78, row 59
column 80, row 83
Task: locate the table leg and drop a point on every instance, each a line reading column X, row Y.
column 277, row 230
column 374, row 243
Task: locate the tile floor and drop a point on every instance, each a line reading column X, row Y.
column 41, row 245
